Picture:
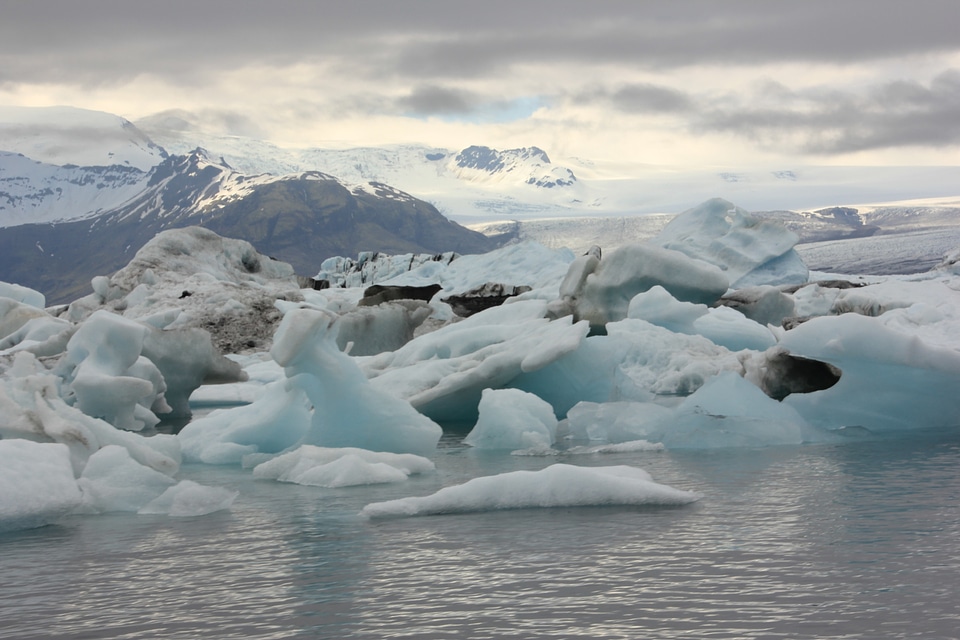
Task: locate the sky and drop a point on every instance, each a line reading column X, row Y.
column 678, row 83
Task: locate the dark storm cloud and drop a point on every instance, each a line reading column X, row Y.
column 435, row 100
column 98, row 41
column 890, row 115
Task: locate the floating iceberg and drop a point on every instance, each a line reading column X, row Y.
column 37, row 486
column 343, row 467
column 513, row 419
column 558, row 485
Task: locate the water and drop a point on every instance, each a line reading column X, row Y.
column 841, row 541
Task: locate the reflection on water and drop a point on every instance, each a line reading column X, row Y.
column 852, row 541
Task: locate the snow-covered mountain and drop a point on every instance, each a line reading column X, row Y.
column 34, row 192
column 67, row 135
column 299, row 218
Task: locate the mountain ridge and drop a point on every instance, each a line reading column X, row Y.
column 301, row 219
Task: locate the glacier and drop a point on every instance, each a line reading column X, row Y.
column 643, row 347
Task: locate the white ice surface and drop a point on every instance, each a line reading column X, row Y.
column 37, row 485
column 341, row 467
column 512, row 419
column 188, row 498
column 558, row 485
column 113, row 481
column 751, row 251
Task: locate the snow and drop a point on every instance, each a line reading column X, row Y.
column 558, row 485
column 341, row 467
column 33, row 192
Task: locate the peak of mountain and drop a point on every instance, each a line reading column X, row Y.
column 71, row 136
column 529, row 165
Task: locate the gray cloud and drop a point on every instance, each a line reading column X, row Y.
column 436, row 100
column 890, row 115
column 649, row 98
column 104, row 41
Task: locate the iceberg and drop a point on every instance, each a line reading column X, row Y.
column 750, row 250
column 341, row 467
column 890, row 380
column 559, row 485
column 513, row 419
column 37, row 486
column 189, row 499
column 600, row 291
column 443, row 373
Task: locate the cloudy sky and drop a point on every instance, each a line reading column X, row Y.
column 682, row 82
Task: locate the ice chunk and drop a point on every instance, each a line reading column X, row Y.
column 111, row 380
column 277, row 420
column 604, row 294
column 513, row 419
column 32, row 408
column 37, row 485
column 722, row 325
column 752, row 251
column 764, row 304
column 347, row 410
column 727, row 411
column 114, row 481
column 26, row 295
column 558, row 485
column 187, row 498
column 891, row 380
column 343, row 467
column 384, row 327
column 186, row 359
column 443, row 373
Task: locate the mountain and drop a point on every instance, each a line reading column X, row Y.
column 33, row 192
column 529, row 166
column 67, row 135
column 472, row 184
column 301, row 219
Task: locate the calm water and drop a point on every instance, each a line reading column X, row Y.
column 842, row 541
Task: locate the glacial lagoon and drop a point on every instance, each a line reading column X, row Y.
column 852, row 540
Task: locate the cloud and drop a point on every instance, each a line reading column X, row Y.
column 435, row 100
column 59, row 40
column 895, row 114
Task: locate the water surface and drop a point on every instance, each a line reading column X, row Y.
column 859, row 540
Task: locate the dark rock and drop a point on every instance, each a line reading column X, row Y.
column 378, row 293
column 826, row 284
column 483, row 297
column 786, row 374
